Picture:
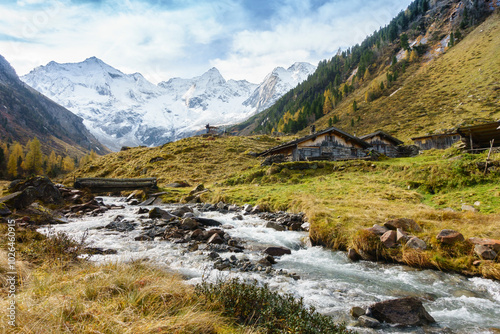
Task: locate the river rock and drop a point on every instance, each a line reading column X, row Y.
column 143, row 237
column 353, row 255
column 377, row 229
column 416, row 243
column 407, row 311
column 357, row 312
column 121, row 225
column 277, row 251
column 275, row 226
column 159, row 213
column 189, row 224
column 406, row 224
column 389, row 238
column 247, row 208
column 181, row 211
column 449, row 237
column 215, row 239
column 256, row 209
column 207, row 222
column 366, row 321
column 490, row 243
column 484, row 252
column 221, row 206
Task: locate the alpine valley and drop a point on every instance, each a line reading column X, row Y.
column 127, row 110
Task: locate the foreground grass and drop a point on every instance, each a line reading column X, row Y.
column 57, row 293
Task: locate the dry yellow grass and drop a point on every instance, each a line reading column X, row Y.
column 112, row 298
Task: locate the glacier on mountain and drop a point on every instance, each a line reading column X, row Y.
column 127, row 110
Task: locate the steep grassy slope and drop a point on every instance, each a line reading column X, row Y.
column 193, row 160
column 460, row 87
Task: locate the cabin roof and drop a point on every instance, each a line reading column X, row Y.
column 482, row 134
column 293, row 143
column 383, row 135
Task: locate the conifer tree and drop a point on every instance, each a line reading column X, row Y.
column 404, row 42
column 451, row 43
column 354, row 106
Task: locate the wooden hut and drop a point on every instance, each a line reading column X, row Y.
column 480, row 137
column 329, row 144
column 437, row 141
column 383, row 143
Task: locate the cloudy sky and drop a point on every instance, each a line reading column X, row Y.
column 244, row 39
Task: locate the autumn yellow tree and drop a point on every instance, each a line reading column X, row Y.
column 413, row 56
column 16, row 156
column 328, row 105
column 53, row 165
column 68, row 164
column 34, row 158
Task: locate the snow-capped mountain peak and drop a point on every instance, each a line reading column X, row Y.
column 127, row 110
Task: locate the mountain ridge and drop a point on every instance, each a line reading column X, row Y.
column 25, row 113
column 128, row 110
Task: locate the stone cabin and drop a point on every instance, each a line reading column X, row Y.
column 383, row 143
column 328, row 144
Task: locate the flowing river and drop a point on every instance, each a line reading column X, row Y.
column 328, row 280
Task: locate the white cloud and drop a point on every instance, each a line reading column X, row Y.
column 162, row 42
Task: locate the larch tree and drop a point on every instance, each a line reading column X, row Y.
column 68, row 164
column 16, row 155
column 34, row 158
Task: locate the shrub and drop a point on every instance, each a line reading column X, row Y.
column 257, row 306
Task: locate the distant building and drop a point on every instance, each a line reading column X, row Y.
column 474, row 138
column 329, row 144
column 211, row 129
column 383, row 143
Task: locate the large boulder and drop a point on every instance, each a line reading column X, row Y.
column 41, row 187
column 405, row 224
column 407, row 311
column 277, row 251
column 450, row 237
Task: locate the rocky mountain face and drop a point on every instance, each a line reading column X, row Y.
column 127, row 110
column 26, row 113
